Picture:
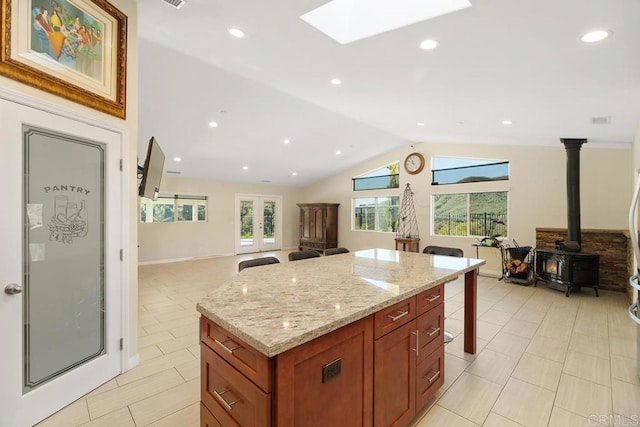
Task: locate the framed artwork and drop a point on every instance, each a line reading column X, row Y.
column 75, row 49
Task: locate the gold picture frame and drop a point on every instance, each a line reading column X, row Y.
column 75, row 49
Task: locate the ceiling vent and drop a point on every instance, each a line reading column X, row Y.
column 604, row 120
column 175, row 3
column 174, row 172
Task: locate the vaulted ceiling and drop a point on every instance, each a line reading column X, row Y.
column 498, row 60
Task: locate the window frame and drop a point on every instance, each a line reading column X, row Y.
column 394, row 178
column 175, row 201
column 468, row 192
column 481, row 163
column 376, row 213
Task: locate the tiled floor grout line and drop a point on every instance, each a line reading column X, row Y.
column 162, row 287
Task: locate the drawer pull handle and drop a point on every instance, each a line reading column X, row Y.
column 433, row 298
column 433, row 377
column 228, row 405
column 400, row 315
column 433, row 332
column 417, row 349
column 222, row 344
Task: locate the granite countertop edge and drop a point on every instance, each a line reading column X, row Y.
column 309, row 335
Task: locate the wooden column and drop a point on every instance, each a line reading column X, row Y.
column 470, row 310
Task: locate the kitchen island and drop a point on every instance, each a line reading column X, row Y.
column 350, row 339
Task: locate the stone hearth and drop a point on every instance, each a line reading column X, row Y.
column 613, row 246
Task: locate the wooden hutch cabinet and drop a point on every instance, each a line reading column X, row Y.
column 318, row 226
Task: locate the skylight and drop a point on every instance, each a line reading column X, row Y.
column 346, row 21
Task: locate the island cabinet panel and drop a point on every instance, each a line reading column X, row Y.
column 378, row 371
column 395, row 377
column 231, row 398
column 430, row 298
column 250, row 362
column 388, row 319
column 430, row 326
column 329, row 380
column 408, row 357
column 430, row 376
column 206, row 418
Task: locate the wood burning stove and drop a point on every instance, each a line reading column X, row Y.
column 568, row 271
column 567, row 268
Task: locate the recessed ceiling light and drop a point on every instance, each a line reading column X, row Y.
column 244, row 168
column 336, row 82
column 177, row 159
column 507, row 122
column 236, row 32
column 420, row 124
column 428, row 44
column 338, row 153
column 294, row 173
column 287, row 141
column 595, row 36
column 213, row 124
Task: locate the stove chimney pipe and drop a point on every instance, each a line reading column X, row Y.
column 572, row 146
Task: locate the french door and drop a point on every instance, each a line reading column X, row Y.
column 258, row 223
column 60, row 281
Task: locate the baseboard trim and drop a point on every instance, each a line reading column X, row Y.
column 170, row 260
column 132, row 362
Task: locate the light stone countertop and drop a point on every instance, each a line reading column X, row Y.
column 277, row 307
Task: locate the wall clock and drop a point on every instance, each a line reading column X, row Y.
column 414, row 163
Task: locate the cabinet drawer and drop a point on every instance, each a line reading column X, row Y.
column 430, row 331
column 430, row 376
column 390, row 318
column 430, row 298
column 206, row 418
column 253, row 364
column 231, row 398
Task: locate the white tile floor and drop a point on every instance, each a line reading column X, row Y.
column 543, row 359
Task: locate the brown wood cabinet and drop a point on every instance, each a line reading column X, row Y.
column 380, row 370
column 318, row 226
column 408, row 367
column 328, row 381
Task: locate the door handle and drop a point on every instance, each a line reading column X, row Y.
column 400, row 315
column 12, row 289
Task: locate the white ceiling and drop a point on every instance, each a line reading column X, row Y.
column 500, row 59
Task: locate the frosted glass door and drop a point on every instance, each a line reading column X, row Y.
column 62, row 270
column 64, row 246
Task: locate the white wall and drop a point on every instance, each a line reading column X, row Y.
column 537, row 190
column 216, row 236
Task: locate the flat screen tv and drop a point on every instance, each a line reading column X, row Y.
column 152, row 171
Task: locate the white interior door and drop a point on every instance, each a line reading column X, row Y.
column 60, row 281
column 258, row 223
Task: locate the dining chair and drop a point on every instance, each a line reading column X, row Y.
column 256, row 262
column 296, row 256
column 336, row 251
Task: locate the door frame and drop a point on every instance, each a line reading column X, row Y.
column 258, row 247
column 122, row 132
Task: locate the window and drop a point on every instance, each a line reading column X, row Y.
column 376, row 213
column 385, row 177
column 451, row 170
column 174, row 208
column 470, row 214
